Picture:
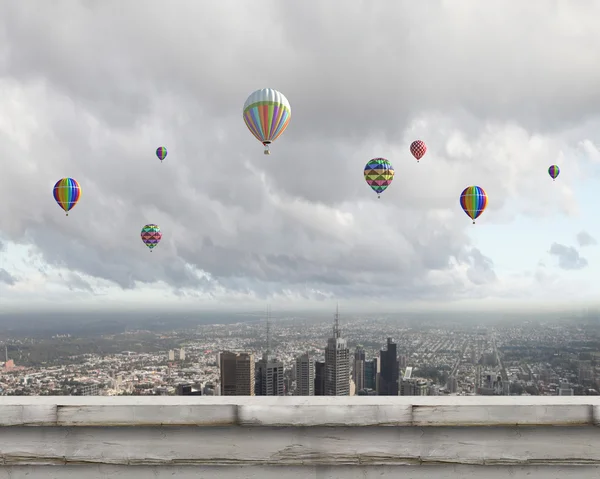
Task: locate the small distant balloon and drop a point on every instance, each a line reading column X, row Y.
column 67, row 193
column 418, row 149
column 161, row 152
column 473, row 201
column 267, row 114
column 151, row 235
column 379, row 174
column 554, row 171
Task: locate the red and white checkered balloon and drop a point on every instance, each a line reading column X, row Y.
column 418, row 149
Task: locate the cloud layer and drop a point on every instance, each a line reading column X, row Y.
column 93, row 96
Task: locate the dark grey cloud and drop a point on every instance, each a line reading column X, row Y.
column 481, row 268
column 92, row 89
column 585, row 239
column 568, row 257
column 7, row 278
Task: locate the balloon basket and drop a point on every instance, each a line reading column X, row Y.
column 67, row 214
column 473, row 222
column 267, row 152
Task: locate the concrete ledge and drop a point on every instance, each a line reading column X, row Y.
column 299, row 411
column 327, row 437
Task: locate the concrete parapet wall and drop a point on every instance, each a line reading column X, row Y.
column 327, row 437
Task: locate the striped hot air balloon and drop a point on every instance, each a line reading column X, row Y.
column 161, row 153
column 554, row 171
column 267, row 114
column 473, row 201
column 67, row 193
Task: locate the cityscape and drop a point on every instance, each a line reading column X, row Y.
column 304, row 355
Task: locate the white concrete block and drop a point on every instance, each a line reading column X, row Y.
column 29, row 415
column 325, row 415
column 502, row 415
column 147, row 415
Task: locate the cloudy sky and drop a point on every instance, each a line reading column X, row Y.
column 90, row 90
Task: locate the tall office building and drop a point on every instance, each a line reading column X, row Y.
column 237, row 374
column 319, row 378
column 358, row 368
column 388, row 379
column 305, row 375
column 269, row 379
column 337, row 363
column 371, row 371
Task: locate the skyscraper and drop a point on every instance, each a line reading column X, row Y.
column 269, row 372
column 237, row 374
column 371, row 371
column 319, row 378
column 358, row 369
column 269, row 377
column 337, row 363
column 388, row 380
column 305, row 375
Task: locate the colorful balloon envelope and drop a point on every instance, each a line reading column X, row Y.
column 379, row 174
column 67, row 193
column 151, row 236
column 267, row 114
column 161, row 152
column 554, row 171
column 418, row 149
column 473, row 201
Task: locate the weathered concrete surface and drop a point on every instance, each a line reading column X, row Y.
column 310, row 436
column 294, row 472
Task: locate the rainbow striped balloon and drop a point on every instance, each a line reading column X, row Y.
column 267, row 114
column 473, row 201
column 67, row 193
column 554, row 171
column 161, row 153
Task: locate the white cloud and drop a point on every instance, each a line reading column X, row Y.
column 300, row 225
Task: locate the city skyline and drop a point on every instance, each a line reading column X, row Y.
column 299, row 228
column 290, row 357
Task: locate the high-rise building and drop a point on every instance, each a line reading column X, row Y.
column 388, row 380
column 237, row 374
column 305, row 375
column 171, row 355
column 182, row 354
column 269, row 377
column 358, row 369
column 337, row 363
column 319, row 378
column 371, row 370
column 269, row 371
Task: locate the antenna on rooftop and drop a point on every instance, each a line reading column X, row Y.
column 268, row 329
column 336, row 321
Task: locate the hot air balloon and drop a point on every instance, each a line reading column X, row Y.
column 151, row 235
column 267, row 114
column 473, row 200
column 379, row 174
column 418, row 149
column 161, row 152
column 554, row 171
column 67, row 193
